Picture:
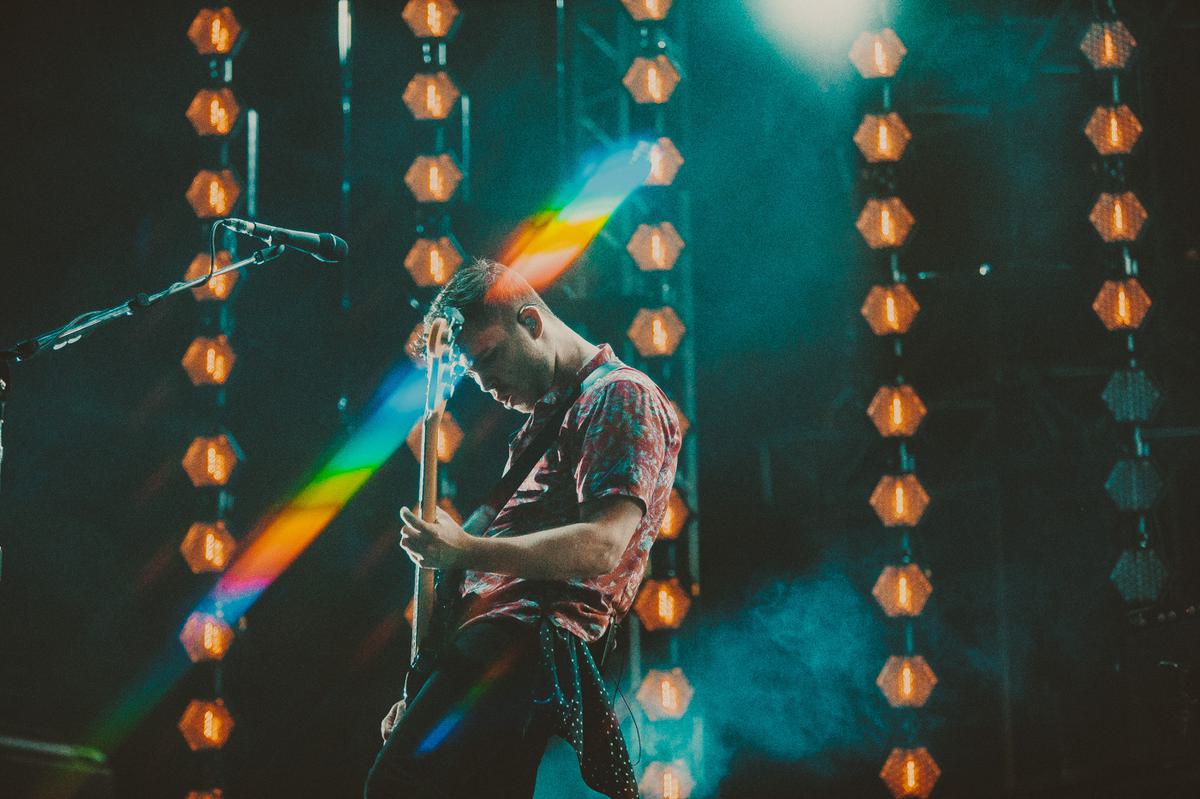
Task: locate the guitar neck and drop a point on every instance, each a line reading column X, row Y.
column 423, row 588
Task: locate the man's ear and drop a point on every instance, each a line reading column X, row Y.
column 530, row 317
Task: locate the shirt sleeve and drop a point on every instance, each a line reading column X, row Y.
column 624, row 443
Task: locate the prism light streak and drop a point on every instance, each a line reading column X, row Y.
column 550, row 241
column 542, row 248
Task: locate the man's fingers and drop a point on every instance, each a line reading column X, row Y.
column 391, row 719
column 414, row 520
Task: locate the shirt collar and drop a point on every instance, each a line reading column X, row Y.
column 551, row 398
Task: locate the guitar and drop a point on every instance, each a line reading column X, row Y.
column 446, row 365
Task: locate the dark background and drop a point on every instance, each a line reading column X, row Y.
column 1046, row 688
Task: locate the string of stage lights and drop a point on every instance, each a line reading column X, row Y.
column 209, row 462
column 897, row 411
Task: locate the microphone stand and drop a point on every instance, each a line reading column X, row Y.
column 87, row 323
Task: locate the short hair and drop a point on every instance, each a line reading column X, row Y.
column 481, row 291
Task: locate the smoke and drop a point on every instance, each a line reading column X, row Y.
column 791, row 675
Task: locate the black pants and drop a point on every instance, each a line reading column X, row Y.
column 472, row 729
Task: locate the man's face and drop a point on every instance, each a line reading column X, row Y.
column 507, row 362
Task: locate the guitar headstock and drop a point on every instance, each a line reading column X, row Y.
column 446, row 361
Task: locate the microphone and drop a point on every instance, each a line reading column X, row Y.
column 322, row 246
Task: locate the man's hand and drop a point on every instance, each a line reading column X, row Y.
column 391, row 719
column 438, row 545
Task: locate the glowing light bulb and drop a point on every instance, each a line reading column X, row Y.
column 214, row 552
column 654, row 83
column 906, row 680
column 215, row 463
column 890, row 311
column 666, row 605
column 442, row 452
column 910, row 774
column 1110, row 49
column 657, row 252
column 897, row 412
column 668, row 695
column 899, row 499
column 1114, row 131
column 903, row 594
column 433, row 18
column 216, row 196
column 219, row 36
column 885, row 142
column 212, row 726
column 433, row 101
column 217, row 116
column 435, row 181
column 658, row 333
column 1122, row 305
column 1118, row 216
column 887, row 229
column 656, row 163
column 670, row 786
column 880, row 57
column 437, row 266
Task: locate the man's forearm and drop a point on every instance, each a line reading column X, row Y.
column 560, row 553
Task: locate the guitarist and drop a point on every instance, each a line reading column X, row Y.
column 540, row 588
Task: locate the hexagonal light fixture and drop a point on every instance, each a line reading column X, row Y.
column 662, row 604
column 910, row 772
column 432, row 262
column 655, row 247
column 1118, row 217
column 656, row 332
column 433, row 178
column 906, row 681
column 1139, row 576
column 450, row 436
column 897, row 411
column 215, row 31
column 902, row 590
column 210, row 460
column 214, row 112
column 208, row 361
column 1108, row 45
column 219, row 287
column 884, row 222
column 890, row 309
column 206, row 637
column 646, row 10
column 665, row 694
column 206, row 725
column 877, row 54
column 431, row 95
column 685, row 424
column 1134, row 484
column 1122, row 304
column 652, row 80
column 207, row 547
column 882, row 137
column 1113, row 130
column 431, row 19
column 662, row 780
column 213, row 193
column 1131, row 396
column 899, row 500
column 675, row 517
column 665, row 160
